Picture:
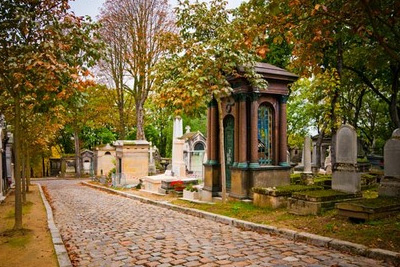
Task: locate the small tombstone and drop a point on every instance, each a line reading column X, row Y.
column 345, row 177
column 390, row 184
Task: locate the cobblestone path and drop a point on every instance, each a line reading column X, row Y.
column 101, row 229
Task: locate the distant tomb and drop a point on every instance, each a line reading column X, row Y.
column 132, row 160
column 105, row 160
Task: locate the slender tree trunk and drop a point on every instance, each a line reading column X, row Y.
column 23, row 173
column 28, row 170
column 140, row 120
column 222, row 149
column 394, row 114
column 17, row 163
column 43, row 167
column 121, row 122
column 77, row 156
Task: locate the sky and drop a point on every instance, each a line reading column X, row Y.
column 92, row 7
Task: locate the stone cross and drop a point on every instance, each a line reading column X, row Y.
column 187, row 128
column 390, row 184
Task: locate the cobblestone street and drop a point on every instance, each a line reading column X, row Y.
column 101, row 229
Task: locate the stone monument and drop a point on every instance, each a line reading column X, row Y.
column 307, row 175
column 390, row 184
column 178, row 164
column 152, row 163
column 328, row 162
column 345, row 177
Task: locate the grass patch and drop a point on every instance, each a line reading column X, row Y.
column 26, row 208
column 378, row 202
column 18, row 238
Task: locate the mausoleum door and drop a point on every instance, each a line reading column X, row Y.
column 229, row 137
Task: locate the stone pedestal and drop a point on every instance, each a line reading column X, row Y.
column 348, row 181
column 178, row 165
column 240, row 181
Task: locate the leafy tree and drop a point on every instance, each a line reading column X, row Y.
column 211, row 45
column 43, row 51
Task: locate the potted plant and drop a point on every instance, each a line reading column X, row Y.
column 190, row 192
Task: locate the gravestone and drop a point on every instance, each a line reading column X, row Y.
column 307, row 176
column 390, row 184
column 345, row 177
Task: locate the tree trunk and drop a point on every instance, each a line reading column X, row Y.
column 394, row 114
column 77, row 156
column 43, row 167
column 17, row 163
column 28, row 170
column 222, row 149
column 23, row 173
column 140, row 120
column 121, row 133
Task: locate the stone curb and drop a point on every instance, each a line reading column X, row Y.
column 61, row 251
column 316, row 240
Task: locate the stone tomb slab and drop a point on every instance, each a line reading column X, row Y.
column 369, row 209
column 316, row 202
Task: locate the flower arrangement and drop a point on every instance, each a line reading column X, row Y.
column 178, row 186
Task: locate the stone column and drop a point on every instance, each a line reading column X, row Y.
column 254, row 132
column 242, row 133
column 209, row 134
column 306, row 176
column 307, row 154
column 283, row 132
column 236, row 132
column 214, row 135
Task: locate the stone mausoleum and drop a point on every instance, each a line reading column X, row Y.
column 255, row 135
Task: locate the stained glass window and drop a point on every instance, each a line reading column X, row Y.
column 264, row 135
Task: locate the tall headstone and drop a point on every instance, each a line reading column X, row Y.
column 152, row 163
column 178, row 164
column 390, row 184
column 307, row 176
column 345, row 177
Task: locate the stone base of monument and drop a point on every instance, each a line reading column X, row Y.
column 307, row 178
column 390, row 186
column 346, row 181
column 277, row 197
column 317, row 202
column 369, row 209
column 191, row 195
column 166, row 186
column 152, row 184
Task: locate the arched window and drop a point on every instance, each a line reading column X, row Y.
column 265, row 134
column 107, row 153
column 199, row 146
